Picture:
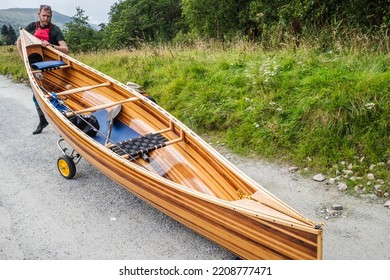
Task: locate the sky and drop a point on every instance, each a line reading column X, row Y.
column 96, row 10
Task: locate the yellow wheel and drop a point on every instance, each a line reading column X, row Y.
column 66, row 166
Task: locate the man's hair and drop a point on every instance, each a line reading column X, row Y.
column 45, row 8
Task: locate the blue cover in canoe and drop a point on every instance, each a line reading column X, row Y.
column 46, row 65
column 55, row 100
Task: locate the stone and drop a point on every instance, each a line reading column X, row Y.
column 387, row 204
column 358, row 190
column 348, row 172
column 133, row 85
column 332, row 181
column 337, row 207
column 342, row 187
column 319, row 177
column 293, row 169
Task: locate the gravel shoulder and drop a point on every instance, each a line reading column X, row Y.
column 44, row 216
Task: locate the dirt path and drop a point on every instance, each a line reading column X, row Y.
column 43, row 216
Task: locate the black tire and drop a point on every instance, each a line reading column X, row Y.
column 66, row 166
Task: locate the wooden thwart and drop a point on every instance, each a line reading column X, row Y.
column 170, row 128
column 81, row 89
column 102, row 106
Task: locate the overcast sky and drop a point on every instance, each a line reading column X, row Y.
column 96, row 10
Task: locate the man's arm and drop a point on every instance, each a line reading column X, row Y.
column 62, row 47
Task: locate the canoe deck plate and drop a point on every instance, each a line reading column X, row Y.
column 138, row 146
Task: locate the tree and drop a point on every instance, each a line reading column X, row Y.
column 134, row 21
column 137, row 21
column 351, row 13
column 80, row 36
column 8, row 35
column 4, row 30
column 4, row 35
column 212, row 18
column 12, row 35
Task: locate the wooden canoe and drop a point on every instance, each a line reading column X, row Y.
column 179, row 174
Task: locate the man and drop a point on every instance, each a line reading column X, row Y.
column 51, row 35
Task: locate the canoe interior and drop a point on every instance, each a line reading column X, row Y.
column 143, row 118
column 184, row 177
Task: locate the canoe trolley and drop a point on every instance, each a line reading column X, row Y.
column 66, row 163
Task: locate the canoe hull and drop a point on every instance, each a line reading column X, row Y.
column 258, row 226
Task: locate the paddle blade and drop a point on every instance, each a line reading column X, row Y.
column 114, row 112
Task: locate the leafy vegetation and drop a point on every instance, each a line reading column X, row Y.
column 303, row 82
column 77, row 30
column 272, row 24
column 8, row 35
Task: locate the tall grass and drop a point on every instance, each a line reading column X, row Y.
column 310, row 108
column 314, row 106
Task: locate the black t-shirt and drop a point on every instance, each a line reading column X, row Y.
column 55, row 32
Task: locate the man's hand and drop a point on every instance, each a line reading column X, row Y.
column 45, row 43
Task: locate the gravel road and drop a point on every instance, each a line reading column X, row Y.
column 44, row 216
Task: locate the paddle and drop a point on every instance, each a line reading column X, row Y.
column 110, row 117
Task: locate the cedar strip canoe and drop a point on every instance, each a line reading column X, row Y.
column 179, row 173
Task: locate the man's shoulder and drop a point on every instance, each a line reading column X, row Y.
column 56, row 34
column 55, row 28
column 31, row 26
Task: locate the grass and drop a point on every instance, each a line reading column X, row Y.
column 317, row 110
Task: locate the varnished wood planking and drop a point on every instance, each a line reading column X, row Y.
column 199, row 188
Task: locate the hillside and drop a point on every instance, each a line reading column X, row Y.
column 20, row 17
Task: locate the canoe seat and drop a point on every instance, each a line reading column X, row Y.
column 48, row 65
column 136, row 147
